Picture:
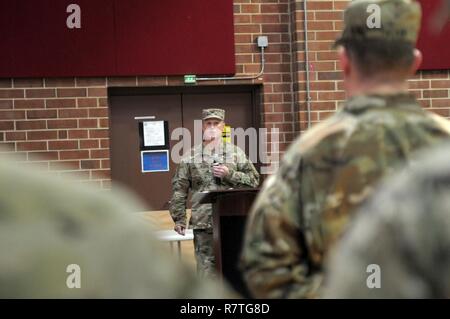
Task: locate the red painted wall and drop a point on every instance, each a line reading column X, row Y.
column 435, row 45
column 117, row 37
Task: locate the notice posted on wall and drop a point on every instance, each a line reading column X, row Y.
column 155, row 161
column 154, row 133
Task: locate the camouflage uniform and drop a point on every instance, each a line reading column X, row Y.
column 195, row 173
column 326, row 174
column 405, row 230
column 48, row 224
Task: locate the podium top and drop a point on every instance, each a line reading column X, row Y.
column 207, row 197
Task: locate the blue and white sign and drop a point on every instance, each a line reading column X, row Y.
column 155, row 161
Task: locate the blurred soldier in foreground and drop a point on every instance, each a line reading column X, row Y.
column 405, row 231
column 55, row 234
column 334, row 167
column 212, row 165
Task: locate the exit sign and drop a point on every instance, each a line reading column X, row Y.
column 190, row 79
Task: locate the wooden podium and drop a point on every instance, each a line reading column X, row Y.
column 230, row 209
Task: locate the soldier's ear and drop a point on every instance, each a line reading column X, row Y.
column 418, row 58
column 344, row 61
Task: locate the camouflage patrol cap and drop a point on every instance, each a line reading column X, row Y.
column 397, row 20
column 213, row 113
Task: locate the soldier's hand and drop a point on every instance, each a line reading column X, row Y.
column 220, row 171
column 180, row 229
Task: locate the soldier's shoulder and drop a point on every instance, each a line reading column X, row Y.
column 391, row 111
column 324, row 139
column 338, row 126
column 420, row 190
column 441, row 122
column 49, row 194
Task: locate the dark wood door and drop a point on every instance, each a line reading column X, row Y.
column 180, row 107
column 154, row 188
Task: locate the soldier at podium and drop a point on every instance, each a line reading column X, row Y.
column 212, row 165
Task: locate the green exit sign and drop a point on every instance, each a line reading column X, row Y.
column 190, row 79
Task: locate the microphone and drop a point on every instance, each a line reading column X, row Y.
column 216, row 162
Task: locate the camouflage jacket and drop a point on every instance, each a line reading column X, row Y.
column 48, row 224
column 324, row 176
column 408, row 219
column 195, row 173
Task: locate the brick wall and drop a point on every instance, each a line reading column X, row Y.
column 49, row 122
column 432, row 88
